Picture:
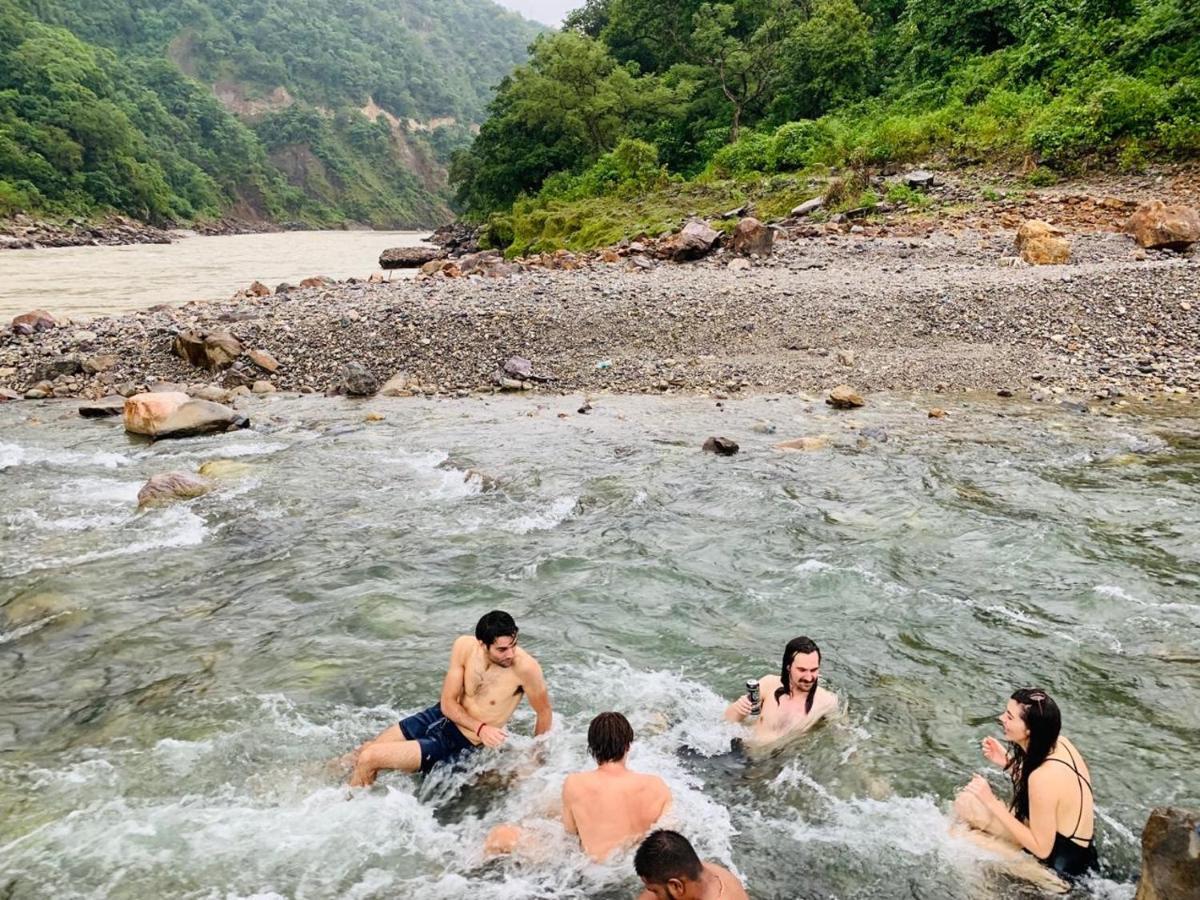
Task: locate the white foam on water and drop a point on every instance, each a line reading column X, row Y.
column 810, row 566
column 16, row 634
column 97, row 491
column 1115, row 592
column 546, row 519
column 175, row 527
column 228, row 448
column 12, row 455
column 34, row 519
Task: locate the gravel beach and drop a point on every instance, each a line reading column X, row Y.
column 945, row 306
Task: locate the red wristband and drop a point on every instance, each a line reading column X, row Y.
column 479, row 729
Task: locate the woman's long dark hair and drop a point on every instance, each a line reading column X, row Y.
column 1044, row 722
column 795, row 646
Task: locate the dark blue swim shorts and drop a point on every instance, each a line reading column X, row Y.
column 440, row 739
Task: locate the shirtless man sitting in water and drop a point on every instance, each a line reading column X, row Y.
column 792, row 701
column 607, row 807
column 670, row 870
column 487, row 677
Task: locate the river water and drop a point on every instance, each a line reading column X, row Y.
column 92, row 281
column 174, row 680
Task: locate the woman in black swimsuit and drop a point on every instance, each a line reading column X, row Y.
column 1051, row 814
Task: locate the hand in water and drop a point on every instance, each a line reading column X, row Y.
column 995, row 752
column 979, row 788
column 742, row 706
column 492, row 737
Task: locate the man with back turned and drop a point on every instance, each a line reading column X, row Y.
column 487, row 677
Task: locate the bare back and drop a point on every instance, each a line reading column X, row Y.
column 1070, row 780
column 611, row 807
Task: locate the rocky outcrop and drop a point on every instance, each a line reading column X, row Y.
column 409, row 257
column 697, row 239
column 208, row 350
column 176, row 415
column 1157, row 226
column 1170, row 855
column 752, row 238
column 1042, row 244
column 167, row 487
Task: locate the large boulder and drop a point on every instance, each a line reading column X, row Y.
column 752, row 238
column 170, row 486
column 357, row 381
column 175, row 415
column 696, row 239
column 408, row 257
column 1042, row 244
column 1170, row 855
column 1157, row 226
column 38, row 320
column 207, row 350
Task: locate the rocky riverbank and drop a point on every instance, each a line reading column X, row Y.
column 22, row 232
column 949, row 308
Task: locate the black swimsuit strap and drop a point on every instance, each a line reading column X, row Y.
column 1082, row 781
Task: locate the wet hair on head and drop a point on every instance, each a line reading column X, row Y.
column 794, row 648
column 1044, row 721
column 609, row 737
column 664, row 855
column 493, row 625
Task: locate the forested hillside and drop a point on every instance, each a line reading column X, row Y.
column 638, row 93
column 313, row 110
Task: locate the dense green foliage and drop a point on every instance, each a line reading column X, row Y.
column 109, row 106
column 742, row 88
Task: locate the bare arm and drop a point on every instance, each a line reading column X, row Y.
column 1038, row 836
column 738, row 710
column 454, row 686
column 537, row 693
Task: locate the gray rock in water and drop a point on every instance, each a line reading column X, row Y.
column 107, row 406
column 1170, row 855
column 722, row 446
column 169, row 486
column 357, row 381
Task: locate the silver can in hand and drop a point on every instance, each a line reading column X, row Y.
column 755, row 698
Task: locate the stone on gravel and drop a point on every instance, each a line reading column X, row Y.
column 170, row 486
column 264, row 360
column 408, row 257
column 1042, row 244
column 722, row 446
column 399, row 385
column 845, row 397
column 263, row 386
column 7, row 395
column 30, row 322
column 210, row 392
column 807, row 207
column 1170, row 855
column 258, row 289
column 113, row 405
column 52, row 368
column 739, row 264
column 919, row 178
column 207, row 350
column 518, row 367
column 357, row 381
column 752, row 238
column 697, row 239
column 1157, row 226
column 94, row 365
column 175, row 415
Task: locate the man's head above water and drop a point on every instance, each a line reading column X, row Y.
column 609, row 737
column 801, row 669
column 669, row 866
column 497, row 632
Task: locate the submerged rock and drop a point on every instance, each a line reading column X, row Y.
column 1170, row 855
column 804, row 444
column 225, row 468
column 722, row 446
column 167, row 487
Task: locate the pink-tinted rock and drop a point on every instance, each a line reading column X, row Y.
column 38, row 320
column 1157, row 226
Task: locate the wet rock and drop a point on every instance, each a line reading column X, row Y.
column 752, row 238
column 357, row 381
column 225, row 468
column 845, row 397
column 399, row 385
column 804, row 444
column 722, row 446
column 113, row 405
column 1042, row 244
column 875, row 433
column 39, row 391
column 176, row 415
column 697, row 239
column 808, row 207
column 6, row 395
column 1157, row 226
column 168, row 487
column 937, row 413
column 408, row 257
column 35, row 321
column 1170, row 855
column 264, row 360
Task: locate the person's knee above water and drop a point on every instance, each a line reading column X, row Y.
column 486, row 679
column 608, row 806
column 791, row 701
column 1052, row 814
column 670, row 870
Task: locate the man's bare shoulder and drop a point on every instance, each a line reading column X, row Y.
column 768, row 683
column 653, row 784
column 825, row 700
column 463, row 644
column 525, row 665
